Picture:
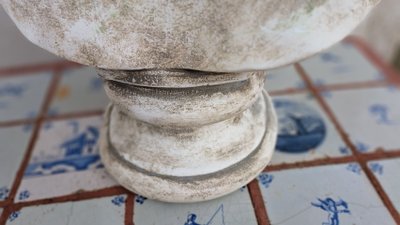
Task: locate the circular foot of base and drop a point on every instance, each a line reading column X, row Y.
column 189, row 188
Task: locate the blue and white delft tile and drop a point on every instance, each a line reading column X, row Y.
column 387, row 172
column 14, row 142
column 80, row 90
column 235, row 208
column 96, row 211
column 341, row 64
column 371, row 116
column 328, row 195
column 305, row 132
column 21, row 97
column 283, row 79
column 65, row 159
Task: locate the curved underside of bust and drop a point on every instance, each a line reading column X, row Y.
column 222, row 36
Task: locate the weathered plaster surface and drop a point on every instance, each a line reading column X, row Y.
column 224, row 35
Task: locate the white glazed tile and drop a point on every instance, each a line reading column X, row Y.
column 101, row 211
column 65, row 159
column 14, row 142
column 235, row 208
column 80, row 90
column 329, row 195
column 341, row 64
column 305, row 132
column 371, row 117
column 283, row 79
column 387, row 172
column 21, row 97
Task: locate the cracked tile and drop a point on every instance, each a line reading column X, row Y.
column 96, row 211
column 235, row 208
column 336, row 194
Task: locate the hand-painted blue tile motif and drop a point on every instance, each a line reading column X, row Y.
column 265, row 179
column 216, row 218
column 4, row 193
column 235, row 208
column 300, row 127
column 354, row 167
column 333, row 208
column 21, row 95
column 305, row 132
column 327, row 195
column 119, row 200
column 140, row 199
column 387, row 173
column 79, row 90
column 24, row 195
column 372, row 122
column 65, row 159
column 80, row 152
column 14, row 215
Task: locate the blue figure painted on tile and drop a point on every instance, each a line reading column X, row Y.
column 218, row 218
column 301, row 128
column 381, row 113
column 74, row 154
column 333, row 209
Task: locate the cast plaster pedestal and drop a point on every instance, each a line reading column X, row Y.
column 188, row 120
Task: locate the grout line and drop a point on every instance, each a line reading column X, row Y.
column 74, row 115
column 312, row 163
column 34, row 136
column 360, row 159
column 78, row 196
column 390, row 73
column 353, row 86
column 129, row 207
column 12, row 123
column 29, row 69
column 286, row 91
column 258, row 203
column 4, row 216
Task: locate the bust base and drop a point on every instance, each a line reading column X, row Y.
column 188, row 188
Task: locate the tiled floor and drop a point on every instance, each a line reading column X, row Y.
column 336, row 161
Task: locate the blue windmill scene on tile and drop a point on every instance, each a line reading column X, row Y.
column 77, row 153
column 300, row 127
column 217, row 218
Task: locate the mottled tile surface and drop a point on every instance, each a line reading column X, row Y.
column 80, row 90
column 284, row 78
column 387, row 172
column 235, row 208
column 14, row 142
column 336, row 194
column 65, row 160
column 370, row 116
column 21, row 97
column 341, row 64
column 305, row 132
column 100, row 211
